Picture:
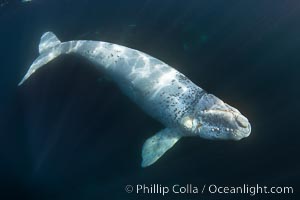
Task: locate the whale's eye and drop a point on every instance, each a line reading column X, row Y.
column 198, row 125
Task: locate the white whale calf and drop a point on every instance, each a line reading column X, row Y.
column 161, row 91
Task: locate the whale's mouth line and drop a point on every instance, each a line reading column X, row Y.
column 240, row 129
column 239, row 118
column 226, row 111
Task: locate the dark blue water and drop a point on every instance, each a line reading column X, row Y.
column 66, row 135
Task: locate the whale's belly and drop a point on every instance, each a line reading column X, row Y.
column 160, row 90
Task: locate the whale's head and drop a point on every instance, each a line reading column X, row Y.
column 214, row 119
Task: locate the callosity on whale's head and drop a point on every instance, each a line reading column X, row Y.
column 214, row 119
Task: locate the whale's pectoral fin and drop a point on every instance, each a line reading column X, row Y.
column 157, row 145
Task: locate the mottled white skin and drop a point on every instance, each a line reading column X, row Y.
column 161, row 91
column 158, row 89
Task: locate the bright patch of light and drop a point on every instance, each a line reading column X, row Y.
column 166, row 78
column 118, row 48
column 188, row 122
column 51, row 56
column 145, row 58
column 98, row 49
column 142, row 72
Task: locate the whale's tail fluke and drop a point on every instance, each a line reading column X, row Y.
column 48, row 41
column 49, row 48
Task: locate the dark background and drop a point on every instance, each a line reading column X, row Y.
column 65, row 134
